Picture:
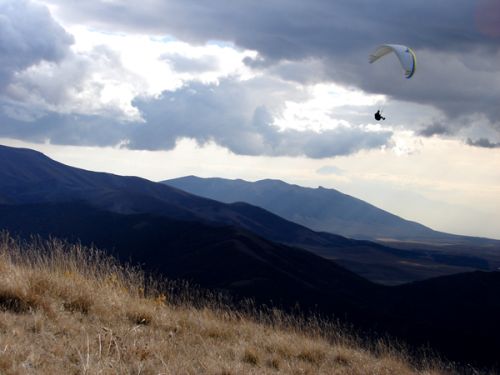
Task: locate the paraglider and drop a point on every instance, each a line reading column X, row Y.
column 378, row 116
column 405, row 55
column 406, row 58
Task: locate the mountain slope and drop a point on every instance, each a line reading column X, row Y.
column 28, row 176
column 92, row 315
column 456, row 315
column 214, row 256
column 319, row 209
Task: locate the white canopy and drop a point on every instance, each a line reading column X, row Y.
column 405, row 55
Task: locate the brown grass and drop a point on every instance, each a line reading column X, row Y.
column 66, row 309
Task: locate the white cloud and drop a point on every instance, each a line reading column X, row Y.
column 90, row 84
column 240, row 115
column 328, row 106
column 105, row 72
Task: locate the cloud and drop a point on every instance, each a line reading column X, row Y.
column 306, row 71
column 28, row 36
column 457, row 41
column 330, row 169
column 60, row 129
column 40, row 73
column 483, row 142
column 297, row 44
column 435, row 128
column 94, row 82
column 294, row 29
column 104, row 72
column 185, row 64
column 238, row 115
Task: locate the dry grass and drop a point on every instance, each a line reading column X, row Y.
column 66, row 309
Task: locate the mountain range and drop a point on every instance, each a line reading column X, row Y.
column 28, row 176
column 328, row 210
column 251, row 252
column 321, row 209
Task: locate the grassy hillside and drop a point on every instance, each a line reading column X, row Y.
column 68, row 309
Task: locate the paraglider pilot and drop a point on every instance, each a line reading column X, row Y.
column 378, row 116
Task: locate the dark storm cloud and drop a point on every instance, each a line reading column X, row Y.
column 293, row 28
column 483, row 142
column 28, row 35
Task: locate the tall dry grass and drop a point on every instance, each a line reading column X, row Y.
column 67, row 309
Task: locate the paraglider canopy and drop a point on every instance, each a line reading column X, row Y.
column 405, row 55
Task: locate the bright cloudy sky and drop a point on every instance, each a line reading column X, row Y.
column 275, row 89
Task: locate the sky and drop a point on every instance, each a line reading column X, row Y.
column 276, row 89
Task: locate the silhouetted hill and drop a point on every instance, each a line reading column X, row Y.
column 215, row 256
column 460, row 310
column 320, row 209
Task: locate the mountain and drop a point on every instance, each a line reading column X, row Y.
column 321, row 210
column 456, row 315
column 332, row 211
column 215, row 256
column 27, row 176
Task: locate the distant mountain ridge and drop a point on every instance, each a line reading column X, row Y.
column 320, row 209
column 27, row 177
